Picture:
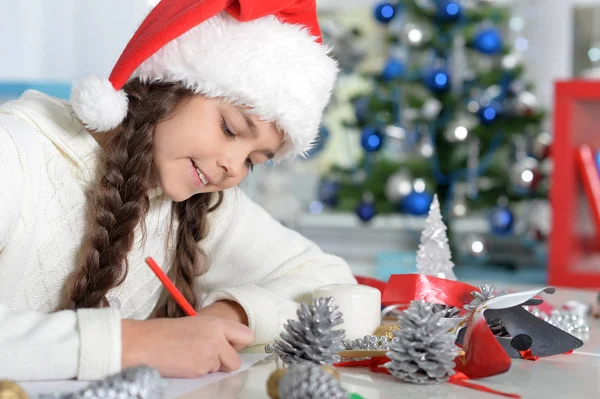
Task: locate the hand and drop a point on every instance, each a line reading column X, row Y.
column 186, row 347
column 228, row 310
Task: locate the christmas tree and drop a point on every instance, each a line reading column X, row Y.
column 449, row 112
column 434, row 256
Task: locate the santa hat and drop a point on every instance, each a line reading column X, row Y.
column 264, row 54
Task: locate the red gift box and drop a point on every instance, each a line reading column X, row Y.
column 574, row 242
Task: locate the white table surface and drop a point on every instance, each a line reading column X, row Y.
column 562, row 376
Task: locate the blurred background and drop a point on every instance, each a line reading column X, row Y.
column 449, row 97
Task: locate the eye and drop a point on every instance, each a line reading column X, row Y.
column 226, row 131
column 249, row 164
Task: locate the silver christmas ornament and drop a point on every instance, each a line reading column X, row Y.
column 541, row 144
column 311, row 338
column 459, row 207
column 419, row 185
column 424, row 353
column 526, row 103
column 309, row 381
column 475, row 246
column 511, row 61
column 425, row 147
column 395, row 132
column 523, row 173
column 398, row 186
column 133, row 383
column 459, row 129
column 415, row 35
column 431, row 108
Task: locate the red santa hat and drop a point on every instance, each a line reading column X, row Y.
column 264, row 54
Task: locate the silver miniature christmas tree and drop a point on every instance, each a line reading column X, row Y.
column 140, row 382
column 434, row 256
column 424, row 353
column 311, row 338
column 308, row 381
column 486, row 291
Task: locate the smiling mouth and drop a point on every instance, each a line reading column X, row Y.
column 200, row 174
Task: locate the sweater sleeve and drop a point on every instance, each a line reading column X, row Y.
column 275, row 268
column 37, row 346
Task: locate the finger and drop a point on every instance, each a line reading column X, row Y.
column 238, row 335
column 230, row 359
column 216, row 366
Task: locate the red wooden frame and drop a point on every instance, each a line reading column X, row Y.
column 576, row 123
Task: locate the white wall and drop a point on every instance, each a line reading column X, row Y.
column 64, row 39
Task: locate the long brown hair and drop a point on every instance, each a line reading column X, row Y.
column 121, row 203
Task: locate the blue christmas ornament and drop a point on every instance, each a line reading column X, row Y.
column 365, row 211
column 361, row 109
column 328, row 192
column 393, row 69
column 371, row 140
column 320, row 143
column 416, row 203
column 437, row 79
column 501, row 220
column 489, row 113
column 488, row 41
column 448, row 10
column 384, row 12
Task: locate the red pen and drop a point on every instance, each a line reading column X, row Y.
column 177, row 295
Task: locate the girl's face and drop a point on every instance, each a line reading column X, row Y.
column 208, row 145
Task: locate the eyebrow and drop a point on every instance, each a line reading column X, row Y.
column 254, row 131
column 249, row 121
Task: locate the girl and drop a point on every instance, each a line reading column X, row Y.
column 147, row 163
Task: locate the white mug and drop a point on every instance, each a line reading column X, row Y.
column 360, row 306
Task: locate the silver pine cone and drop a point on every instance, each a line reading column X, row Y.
column 133, row 383
column 423, row 353
column 311, row 338
column 308, row 381
column 447, row 311
column 486, row 291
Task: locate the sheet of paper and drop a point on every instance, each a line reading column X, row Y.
column 174, row 387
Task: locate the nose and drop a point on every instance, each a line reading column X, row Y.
column 232, row 164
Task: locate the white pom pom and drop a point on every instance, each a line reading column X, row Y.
column 99, row 106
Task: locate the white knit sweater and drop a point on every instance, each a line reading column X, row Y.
column 47, row 162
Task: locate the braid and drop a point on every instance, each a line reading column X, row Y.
column 121, row 202
column 190, row 261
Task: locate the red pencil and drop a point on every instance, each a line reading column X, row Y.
column 177, row 295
